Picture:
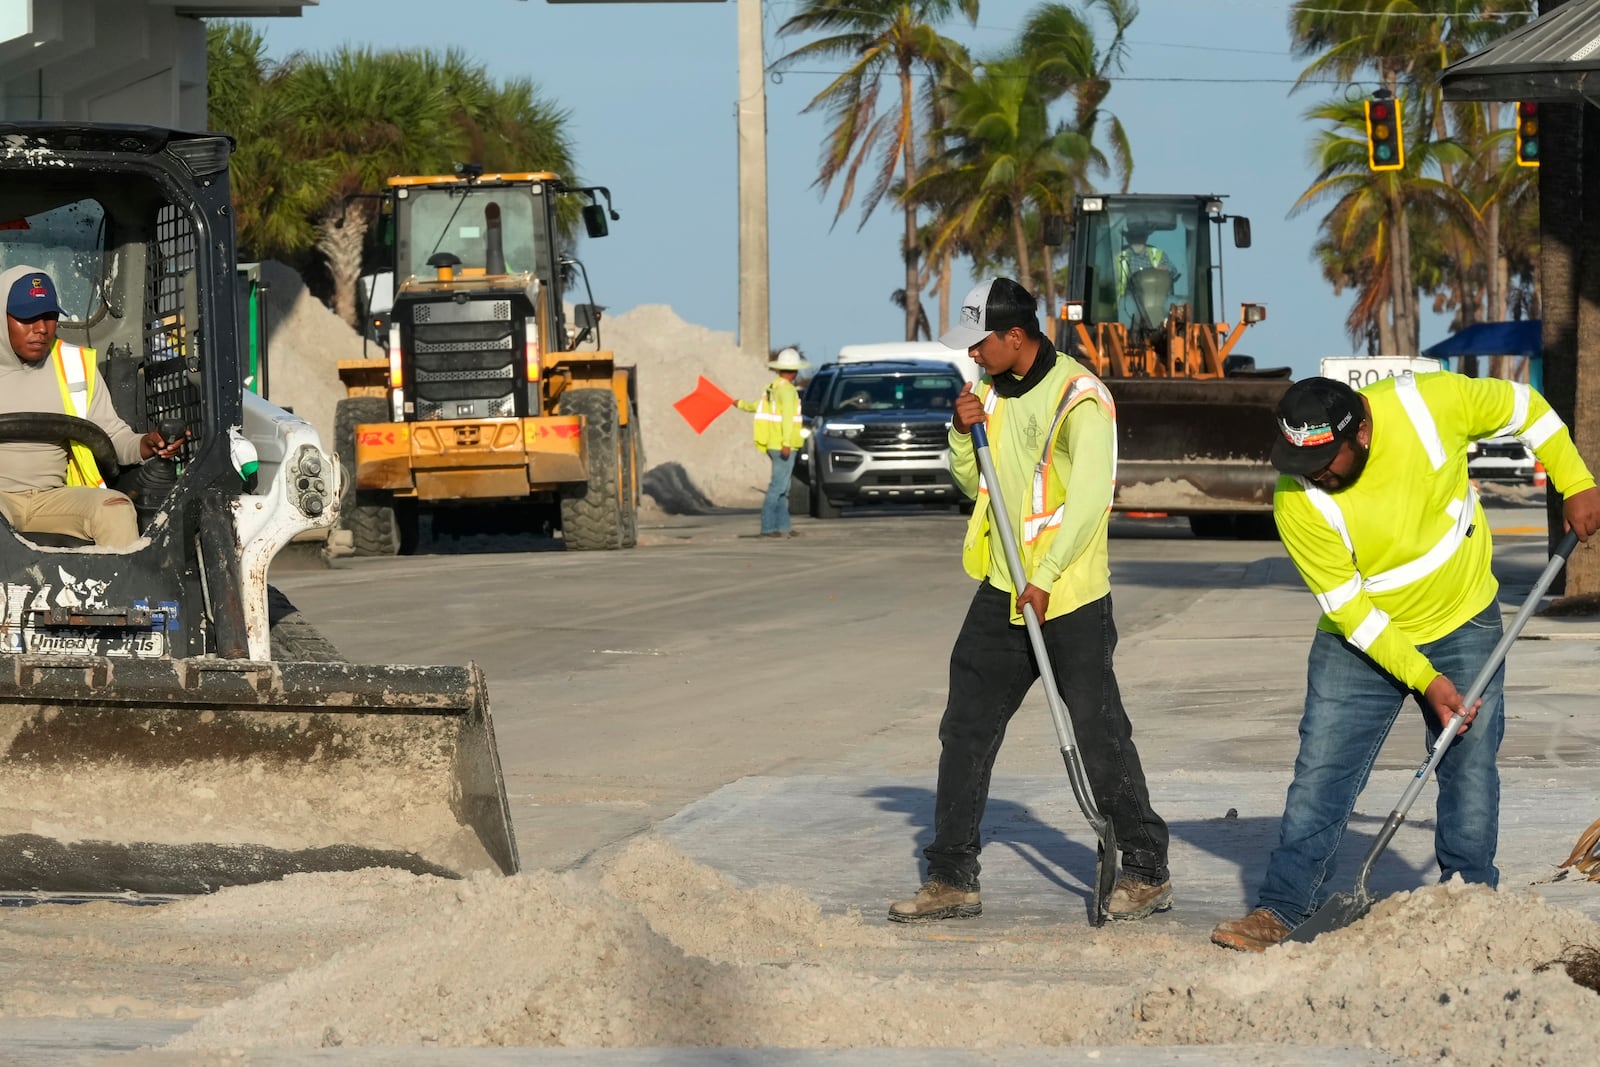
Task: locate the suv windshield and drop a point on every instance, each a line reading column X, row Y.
column 67, row 242
column 892, row 392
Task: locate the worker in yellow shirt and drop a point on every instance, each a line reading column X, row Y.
column 1052, row 434
column 1378, row 515
column 778, row 436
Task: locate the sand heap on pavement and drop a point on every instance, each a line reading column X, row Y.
column 308, row 340
column 672, row 355
column 656, row 950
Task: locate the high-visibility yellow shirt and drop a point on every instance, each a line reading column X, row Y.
column 1401, row 558
column 777, row 422
column 1054, row 451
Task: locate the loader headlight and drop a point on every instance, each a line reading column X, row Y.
column 1072, row 311
column 1253, row 312
column 842, row 429
column 1092, row 203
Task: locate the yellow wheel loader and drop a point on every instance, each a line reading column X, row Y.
column 483, row 395
column 169, row 724
column 1194, row 417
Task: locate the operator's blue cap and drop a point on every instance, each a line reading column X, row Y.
column 32, row 295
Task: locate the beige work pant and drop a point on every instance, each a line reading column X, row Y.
column 103, row 516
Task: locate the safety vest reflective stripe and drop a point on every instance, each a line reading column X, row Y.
column 73, row 377
column 1410, row 398
column 1546, row 427
column 1519, row 411
column 1079, row 388
column 1370, row 628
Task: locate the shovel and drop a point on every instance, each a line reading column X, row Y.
column 1105, row 862
column 1342, row 909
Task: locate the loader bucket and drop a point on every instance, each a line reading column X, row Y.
column 169, row 777
column 1195, row 445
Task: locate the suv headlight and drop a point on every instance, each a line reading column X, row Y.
column 842, row 429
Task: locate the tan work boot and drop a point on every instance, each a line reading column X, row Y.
column 1256, row 932
column 935, row 901
column 1134, row 899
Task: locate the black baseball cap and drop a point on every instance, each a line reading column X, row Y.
column 1314, row 417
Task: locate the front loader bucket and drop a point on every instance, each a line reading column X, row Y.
column 182, row 776
column 1188, row 445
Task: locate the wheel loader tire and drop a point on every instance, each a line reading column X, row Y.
column 594, row 514
column 369, row 516
column 294, row 639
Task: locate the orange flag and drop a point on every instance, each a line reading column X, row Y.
column 701, row 407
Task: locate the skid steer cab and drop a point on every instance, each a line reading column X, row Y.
column 1144, row 311
column 168, row 723
column 485, row 396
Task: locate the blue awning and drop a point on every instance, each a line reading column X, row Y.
column 1521, row 338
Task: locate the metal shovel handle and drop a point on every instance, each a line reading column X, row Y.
column 1058, row 707
column 1479, row 684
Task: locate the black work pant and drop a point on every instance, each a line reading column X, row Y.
column 992, row 668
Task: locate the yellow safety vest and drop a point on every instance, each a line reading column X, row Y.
column 777, row 422
column 1047, row 498
column 75, row 375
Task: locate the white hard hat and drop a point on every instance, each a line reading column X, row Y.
column 788, row 359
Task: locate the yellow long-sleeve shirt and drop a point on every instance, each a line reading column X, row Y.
column 1412, row 560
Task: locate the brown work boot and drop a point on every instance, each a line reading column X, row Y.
column 935, row 901
column 1135, row 899
column 1256, row 932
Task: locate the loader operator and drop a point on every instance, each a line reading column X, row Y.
column 1052, row 433
column 1140, row 255
column 1376, row 511
column 48, row 488
column 778, row 436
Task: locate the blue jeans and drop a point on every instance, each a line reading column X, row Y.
column 775, row 508
column 1351, row 704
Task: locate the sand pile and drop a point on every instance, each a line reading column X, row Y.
column 305, row 344
column 671, row 355
column 658, row 951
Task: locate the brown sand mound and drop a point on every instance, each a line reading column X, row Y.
column 658, row 951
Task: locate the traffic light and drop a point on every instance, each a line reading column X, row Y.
column 1527, row 134
column 1385, row 150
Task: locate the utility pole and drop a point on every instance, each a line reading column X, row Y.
column 755, row 300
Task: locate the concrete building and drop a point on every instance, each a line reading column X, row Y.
column 139, row 61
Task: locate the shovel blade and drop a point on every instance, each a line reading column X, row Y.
column 1340, row 911
column 1105, row 875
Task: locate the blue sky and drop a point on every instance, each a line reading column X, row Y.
column 651, row 90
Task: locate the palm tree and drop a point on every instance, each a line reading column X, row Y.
column 275, row 190
column 876, row 39
column 1371, row 211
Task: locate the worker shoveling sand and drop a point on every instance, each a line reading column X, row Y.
column 656, row 950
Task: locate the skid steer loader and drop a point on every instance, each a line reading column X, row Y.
column 483, row 396
column 168, row 723
column 1194, row 417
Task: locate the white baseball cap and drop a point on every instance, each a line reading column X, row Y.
column 997, row 304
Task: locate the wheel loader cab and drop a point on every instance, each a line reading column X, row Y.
column 1144, row 258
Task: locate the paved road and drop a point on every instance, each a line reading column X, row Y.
column 627, row 685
